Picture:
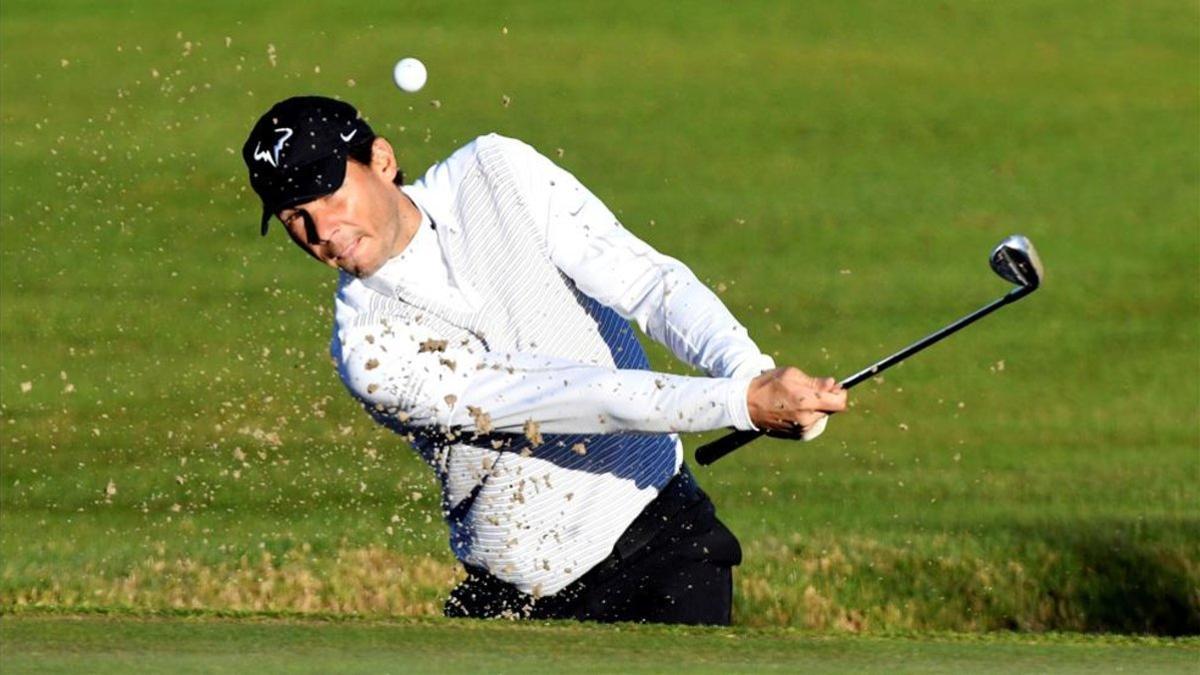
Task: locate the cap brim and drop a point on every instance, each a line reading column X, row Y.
column 333, row 167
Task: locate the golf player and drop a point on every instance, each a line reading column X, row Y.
column 484, row 313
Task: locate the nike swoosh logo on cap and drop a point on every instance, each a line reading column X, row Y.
column 347, row 137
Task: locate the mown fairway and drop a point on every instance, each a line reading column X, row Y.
column 172, row 436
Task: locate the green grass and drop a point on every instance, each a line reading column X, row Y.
column 839, row 169
column 101, row 644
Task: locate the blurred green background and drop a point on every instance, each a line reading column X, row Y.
column 173, row 435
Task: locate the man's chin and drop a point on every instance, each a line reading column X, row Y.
column 360, row 271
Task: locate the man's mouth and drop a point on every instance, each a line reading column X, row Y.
column 344, row 254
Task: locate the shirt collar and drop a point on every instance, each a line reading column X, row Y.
column 395, row 277
column 395, row 274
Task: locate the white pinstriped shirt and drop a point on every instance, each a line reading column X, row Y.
column 499, row 343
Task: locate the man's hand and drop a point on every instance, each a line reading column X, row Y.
column 786, row 403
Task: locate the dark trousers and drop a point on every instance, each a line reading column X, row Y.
column 673, row 564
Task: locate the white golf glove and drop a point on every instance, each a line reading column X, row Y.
column 816, row 429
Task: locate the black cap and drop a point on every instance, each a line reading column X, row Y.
column 297, row 151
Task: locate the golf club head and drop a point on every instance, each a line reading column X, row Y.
column 1017, row 261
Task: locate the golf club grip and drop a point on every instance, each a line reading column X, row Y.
column 711, row 452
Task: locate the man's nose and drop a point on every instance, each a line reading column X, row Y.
column 318, row 226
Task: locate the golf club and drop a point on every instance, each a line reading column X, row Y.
column 1014, row 259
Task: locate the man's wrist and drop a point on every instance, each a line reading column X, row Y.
column 738, row 404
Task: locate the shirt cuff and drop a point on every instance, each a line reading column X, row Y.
column 738, row 405
column 753, row 367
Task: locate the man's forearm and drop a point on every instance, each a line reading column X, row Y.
column 503, row 392
column 561, row 397
column 696, row 326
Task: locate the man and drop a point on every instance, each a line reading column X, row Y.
column 483, row 313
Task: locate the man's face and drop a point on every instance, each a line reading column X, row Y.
column 357, row 227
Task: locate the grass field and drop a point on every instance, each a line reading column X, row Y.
column 172, row 436
column 101, row 644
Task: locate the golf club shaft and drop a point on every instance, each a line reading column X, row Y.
column 711, row 452
column 933, row 338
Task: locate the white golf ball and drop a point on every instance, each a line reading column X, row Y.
column 409, row 74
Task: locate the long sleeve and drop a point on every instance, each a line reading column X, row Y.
column 612, row 265
column 422, row 381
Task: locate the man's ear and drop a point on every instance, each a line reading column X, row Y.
column 383, row 159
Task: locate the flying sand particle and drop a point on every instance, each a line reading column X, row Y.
column 432, row 346
column 533, row 433
column 483, row 421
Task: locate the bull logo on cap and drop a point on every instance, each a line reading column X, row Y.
column 272, row 157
